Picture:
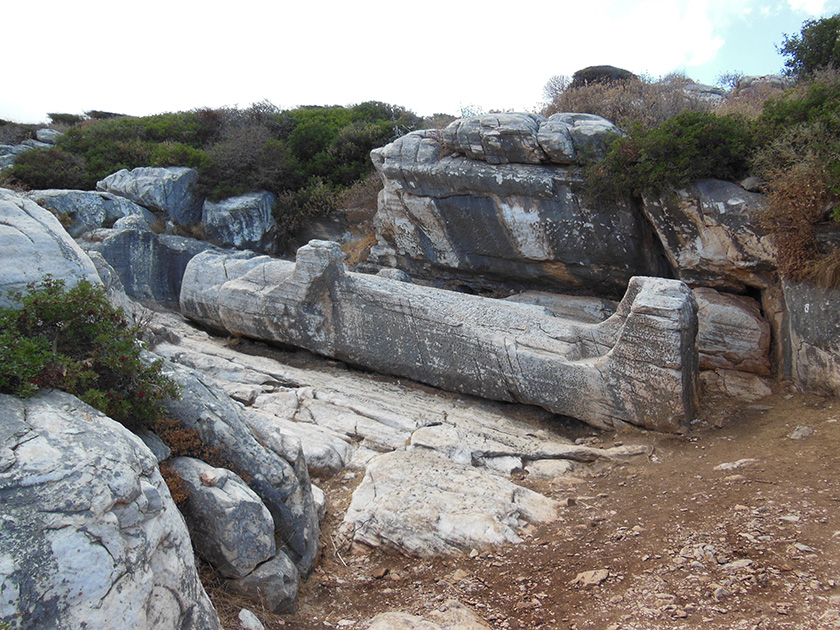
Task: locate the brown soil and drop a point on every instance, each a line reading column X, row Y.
column 685, row 545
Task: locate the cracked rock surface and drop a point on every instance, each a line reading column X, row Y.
column 89, row 535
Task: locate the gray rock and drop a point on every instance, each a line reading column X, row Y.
column 35, row 245
column 813, row 330
column 49, row 136
column 160, row 450
column 732, row 334
column 243, row 222
column 801, row 432
column 274, row 584
column 496, row 138
column 394, row 274
column 453, row 615
column 232, row 529
column 90, row 536
column 150, row 266
column 133, row 222
column 585, row 309
column 590, row 136
column 166, row 189
column 87, row 210
column 734, row 384
column 36, row 144
column 283, row 486
column 711, row 237
column 505, row 223
column 639, row 366
column 421, row 504
column 249, row 621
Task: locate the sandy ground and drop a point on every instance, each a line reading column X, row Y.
column 734, row 525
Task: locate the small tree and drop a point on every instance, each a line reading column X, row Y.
column 815, row 48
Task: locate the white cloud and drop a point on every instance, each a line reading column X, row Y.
column 813, row 7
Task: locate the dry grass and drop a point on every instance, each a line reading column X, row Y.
column 358, row 251
column 641, row 102
column 750, row 101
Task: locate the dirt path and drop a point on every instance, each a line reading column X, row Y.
column 677, row 542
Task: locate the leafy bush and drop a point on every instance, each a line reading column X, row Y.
column 816, row 47
column 76, row 341
column 687, row 147
column 52, row 168
column 800, row 160
column 600, row 74
column 306, row 156
column 58, row 118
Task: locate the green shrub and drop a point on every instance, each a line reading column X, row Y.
column 65, row 119
column 76, row 341
column 799, row 158
column 816, row 47
column 685, row 148
column 52, row 168
column 600, row 74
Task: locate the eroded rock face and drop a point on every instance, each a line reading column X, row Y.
column 33, row 245
column 509, row 215
column 732, row 333
column 167, row 189
column 88, row 210
column 639, row 366
column 231, row 527
column 711, row 238
column 90, row 536
column 421, row 504
column 150, row 266
column 242, row 222
column 813, row 326
column 282, row 484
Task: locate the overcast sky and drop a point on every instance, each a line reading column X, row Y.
column 429, row 56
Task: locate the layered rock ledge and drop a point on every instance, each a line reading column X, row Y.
column 638, row 367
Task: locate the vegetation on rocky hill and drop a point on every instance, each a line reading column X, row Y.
column 305, row 156
column 791, row 142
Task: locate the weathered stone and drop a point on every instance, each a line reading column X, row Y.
column 87, row 210
column 36, row 144
column 160, row 450
column 639, row 366
column 243, row 222
column 452, row 616
column 150, row 266
column 282, row 485
column 711, row 237
column 50, row 136
column 581, row 308
column 732, row 334
column 34, row 245
column 167, row 189
column 90, row 536
column 422, row 504
column 274, row 584
column 590, row 137
column 502, row 224
column 813, row 328
column 496, row 138
column 232, row 529
column 249, row 621
column 733, row 384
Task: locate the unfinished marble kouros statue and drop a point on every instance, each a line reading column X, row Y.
column 638, row 367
